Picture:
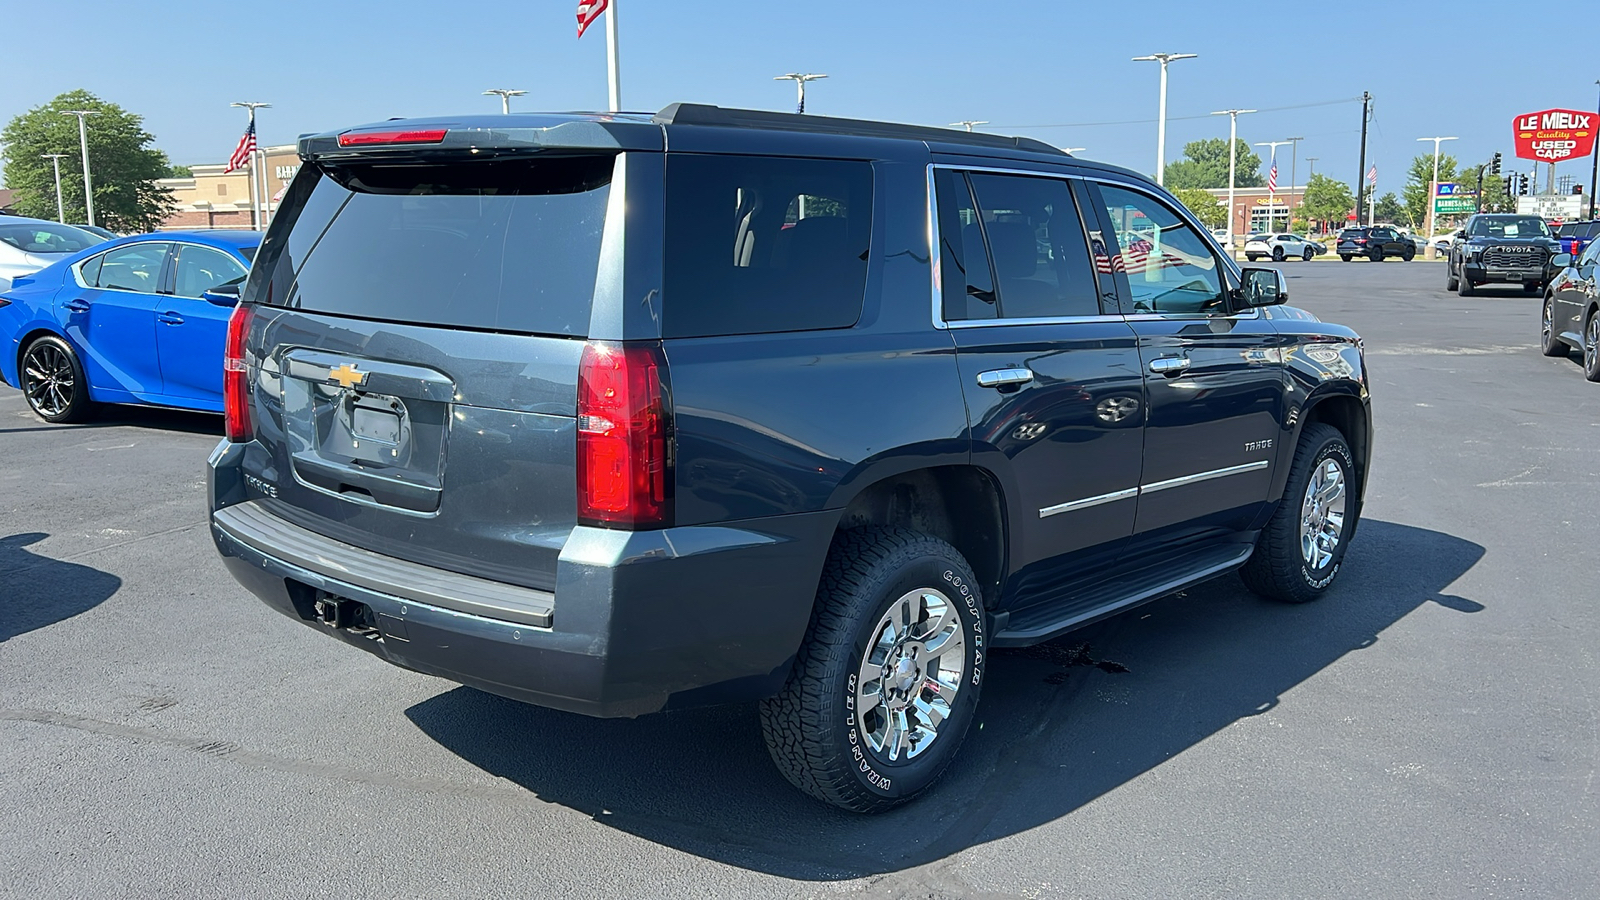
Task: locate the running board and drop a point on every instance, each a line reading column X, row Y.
column 1034, row 626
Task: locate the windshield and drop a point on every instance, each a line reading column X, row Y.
column 1508, row 227
column 45, row 237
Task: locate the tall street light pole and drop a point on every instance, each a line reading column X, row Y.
column 505, row 95
column 1294, row 165
column 61, row 210
column 1434, row 191
column 800, row 79
column 258, row 180
column 83, row 141
column 1272, row 188
column 1161, row 118
column 1361, row 176
column 1233, row 153
column 969, row 123
column 1594, row 173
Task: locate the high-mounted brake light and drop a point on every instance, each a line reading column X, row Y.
column 624, row 468
column 239, row 424
column 415, row 136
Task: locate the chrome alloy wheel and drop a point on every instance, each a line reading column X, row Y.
column 1322, row 514
column 1591, row 343
column 47, row 379
column 1548, row 325
column 910, row 674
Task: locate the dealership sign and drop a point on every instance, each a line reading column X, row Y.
column 1554, row 134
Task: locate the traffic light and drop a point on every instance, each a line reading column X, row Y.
column 1577, row 190
column 1509, row 186
column 1522, row 185
column 1494, row 166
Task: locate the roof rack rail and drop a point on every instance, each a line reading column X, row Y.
column 704, row 114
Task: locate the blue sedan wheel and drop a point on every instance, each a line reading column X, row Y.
column 53, row 382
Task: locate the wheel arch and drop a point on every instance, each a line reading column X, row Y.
column 27, row 336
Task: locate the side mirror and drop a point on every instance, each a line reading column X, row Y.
column 1263, row 287
column 1561, row 260
column 1461, row 232
column 222, row 295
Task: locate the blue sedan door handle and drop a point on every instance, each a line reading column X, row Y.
column 77, row 305
column 170, row 318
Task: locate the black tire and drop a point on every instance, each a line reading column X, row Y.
column 1307, row 254
column 1464, row 286
column 1344, row 257
column 1531, row 287
column 1279, row 569
column 1251, row 257
column 1591, row 346
column 1277, row 254
column 1377, row 255
column 1550, row 343
column 812, row 729
column 1450, row 280
column 1408, row 254
column 52, row 381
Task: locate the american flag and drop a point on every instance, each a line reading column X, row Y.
column 1372, row 175
column 588, row 11
column 243, row 152
column 1272, row 178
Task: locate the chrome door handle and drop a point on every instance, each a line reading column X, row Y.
column 1001, row 377
column 1169, row 365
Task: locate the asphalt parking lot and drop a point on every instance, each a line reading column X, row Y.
column 1429, row 729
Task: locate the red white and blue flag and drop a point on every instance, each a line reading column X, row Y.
column 588, row 11
column 245, row 150
column 1372, row 175
column 1272, row 178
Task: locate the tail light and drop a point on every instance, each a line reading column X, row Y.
column 240, row 426
column 624, row 465
column 4, row 303
column 410, row 136
column 1361, row 240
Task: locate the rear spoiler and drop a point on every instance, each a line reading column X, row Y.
column 496, row 136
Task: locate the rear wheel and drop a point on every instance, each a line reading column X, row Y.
column 1252, row 257
column 52, row 381
column 1344, row 257
column 1299, row 553
column 1277, row 254
column 885, row 685
column 1377, row 255
column 1549, row 341
column 1591, row 346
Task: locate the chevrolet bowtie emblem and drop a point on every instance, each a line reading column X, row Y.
column 347, row 375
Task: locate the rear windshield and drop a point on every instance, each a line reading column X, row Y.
column 1352, row 232
column 43, row 237
column 501, row 245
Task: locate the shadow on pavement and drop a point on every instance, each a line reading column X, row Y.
column 156, row 417
column 37, row 592
column 1052, row 733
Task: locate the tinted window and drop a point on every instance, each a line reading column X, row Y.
column 1508, row 227
column 764, row 244
column 1169, row 266
column 495, row 245
column 1568, row 230
column 136, row 267
column 1036, row 246
column 91, row 269
column 44, row 237
column 968, row 283
column 1590, row 253
column 202, row 268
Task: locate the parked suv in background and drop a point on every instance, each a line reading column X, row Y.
column 812, row 411
column 1504, row 248
column 1278, row 247
column 1375, row 243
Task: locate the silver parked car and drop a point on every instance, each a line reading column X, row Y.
column 28, row 245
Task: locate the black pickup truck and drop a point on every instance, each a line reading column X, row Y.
column 809, row 411
column 1502, row 248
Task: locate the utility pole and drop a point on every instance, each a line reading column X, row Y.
column 1433, row 192
column 61, row 210
column 505, row 95
column 83, row 141
column 1294, row 165
column 1272, row 186
column 258, row 175
column 1361, row 176
column 969, row 123
column 1594, row 172
column 800, row 79
column 1161, row 118
column 1233, row 152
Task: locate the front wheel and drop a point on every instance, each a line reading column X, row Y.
column 1465, row 287
column 1408, row 254
column 1550, row 342
column 1531, row 287
column 1307, row 255
column 1450, row 280
column 885, row 684
column 52, row 381
column 1299, row 553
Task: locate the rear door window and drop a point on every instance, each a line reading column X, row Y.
column 136, row 267
column 495, row 245
column 757, row 245
column 1037, row 247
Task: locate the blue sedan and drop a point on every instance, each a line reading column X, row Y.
column 135, row 320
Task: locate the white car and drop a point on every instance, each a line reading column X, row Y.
column 28, row 245
column 1278, row 246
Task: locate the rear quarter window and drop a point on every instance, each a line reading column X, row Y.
column 756, row 245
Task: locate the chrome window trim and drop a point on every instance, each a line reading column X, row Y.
column 1141, row 490
column 77, row 267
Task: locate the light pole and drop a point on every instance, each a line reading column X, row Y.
column 1433, row 192
column 1161, row 118
column 1294, row 165
column 800, row 79
column 1311, row 164
column 55, row 160
column 1272, row 182
column 1233, row 152
column 969, row 123
column 257, row 182
column 83, row 141
column 505, row 95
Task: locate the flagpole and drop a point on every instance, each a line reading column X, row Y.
column 614, row 74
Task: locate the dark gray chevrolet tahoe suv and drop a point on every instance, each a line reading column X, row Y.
column 622, row 413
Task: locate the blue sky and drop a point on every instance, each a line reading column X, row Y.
column 1018, row 64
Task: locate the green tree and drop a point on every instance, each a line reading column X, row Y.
column 180, row 172
column 1389, row 209
column 1205, row 206
column 1205, row 165
column 122, row 162
column 1493, row 196
column 1419, row 184
column 1326, row 200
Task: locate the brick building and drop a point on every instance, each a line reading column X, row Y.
column 212, row 199
column 1255, row 210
